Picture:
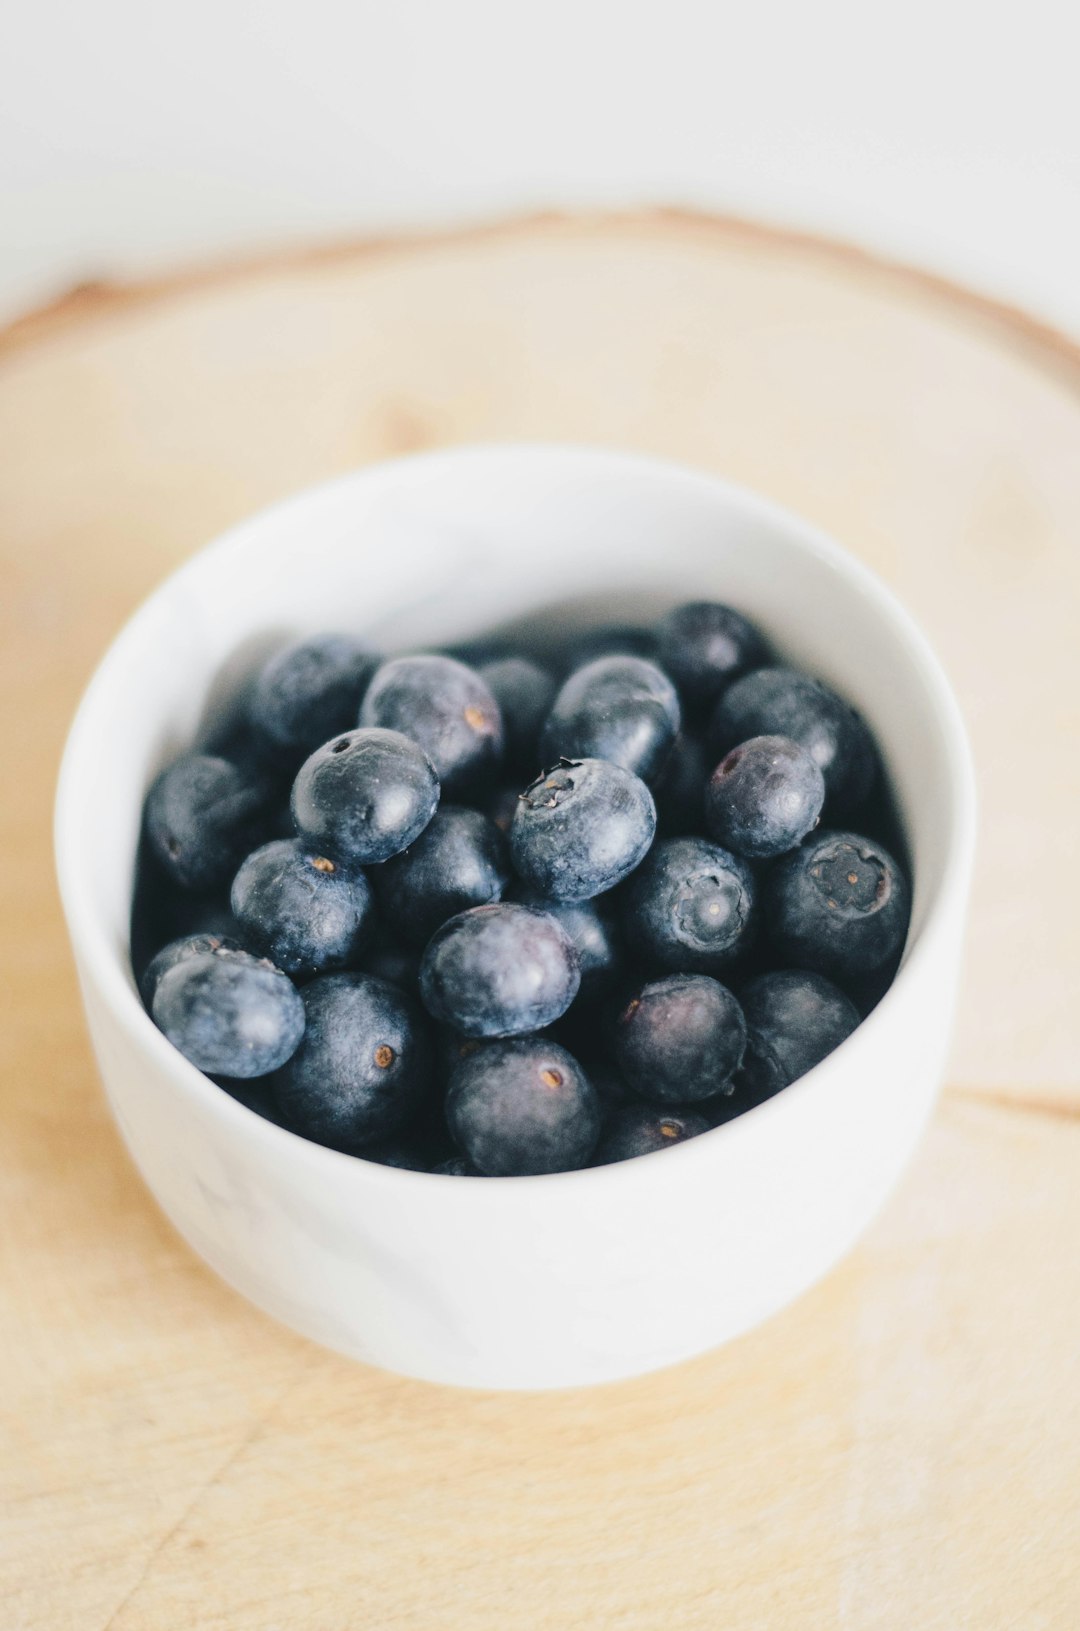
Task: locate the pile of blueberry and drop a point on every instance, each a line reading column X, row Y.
column 495, row 912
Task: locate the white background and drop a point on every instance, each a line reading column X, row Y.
column 135, row 136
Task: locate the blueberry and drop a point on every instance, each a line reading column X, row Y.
column 229, row 1013
column 364, row 1067
column 303, row 912
column 389, row 961
column 618, row 708
column 594, row 930
column 704, row 646
column 460, row 860
column 794, row 1019
column 202, row 816
column 680, row 788
column 839, row 904
column 502, row 970
column 178, row 951
column 308, row 692
column 610, row 640
column 764, row 797
column 581, row 828
column 447, row 709
column 523, row 1106
column 501, row 805
column 679, row 1039
column 364, row 796
column 782, row 702
column 641, row 1129
column 691, row 906
column 524, row 692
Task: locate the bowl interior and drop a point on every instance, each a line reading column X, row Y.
column 442, row 547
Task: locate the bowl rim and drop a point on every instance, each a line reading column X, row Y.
column 113, row 977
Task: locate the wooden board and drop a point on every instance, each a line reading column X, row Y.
column 902, row 1448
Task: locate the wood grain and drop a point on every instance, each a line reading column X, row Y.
column 902, row 1448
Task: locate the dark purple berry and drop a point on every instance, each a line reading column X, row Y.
column 364, row 796
column 302, row 911
column 502, row 970
column 783, row 702
column 593, row 927
column 309, row 691
column 581, row 828
column 839, row 904
column 202, row 816
column 704, row 646
column 178, row 951
column 691, row 906
column 679, row 1039
column 798, row 1018
column 365, row 1066
column 618, row 708
column 523, row 1106
column 764, row 797
column 460, row 860
column 229, row 1014
column 444, row 707
column 642, row 1129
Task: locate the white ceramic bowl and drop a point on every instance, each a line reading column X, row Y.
column 529, row 1282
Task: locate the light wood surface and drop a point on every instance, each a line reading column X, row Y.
column 899, row 1450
